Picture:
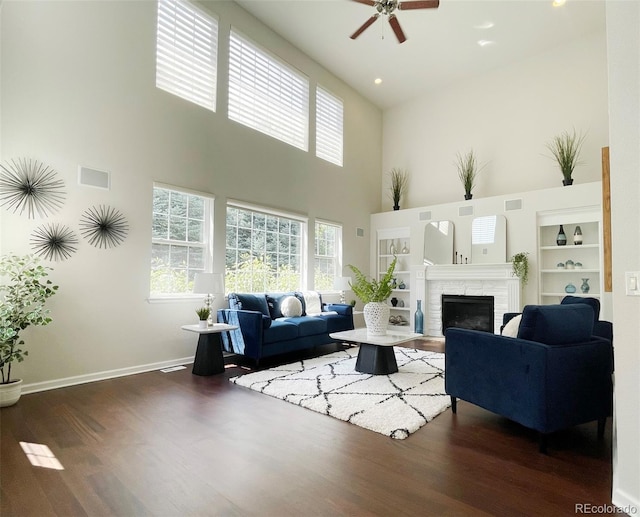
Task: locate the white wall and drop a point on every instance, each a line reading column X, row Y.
column 623, row 40
column 507, row 116
column 78, row 88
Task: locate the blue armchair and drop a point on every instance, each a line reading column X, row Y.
column 554, row 375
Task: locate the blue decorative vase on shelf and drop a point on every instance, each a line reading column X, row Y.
column 570, row 288
column 585, row 285
column 419, row 319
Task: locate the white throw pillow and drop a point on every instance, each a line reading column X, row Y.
column 291, row 307
column 312, row 302
column 511, row 328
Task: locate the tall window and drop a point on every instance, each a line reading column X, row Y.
column 266, row 94
column 181, row 240
column 264, row 251
column 329, row 127
column 187, row 52
column 328, row 255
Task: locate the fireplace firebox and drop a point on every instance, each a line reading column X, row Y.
column 468, row 312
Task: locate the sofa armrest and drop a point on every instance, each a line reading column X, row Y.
column 247, row 339
column 343, row 309
column 603, row 329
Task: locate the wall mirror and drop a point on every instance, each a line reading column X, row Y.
column 489, row 240
column 438, row 243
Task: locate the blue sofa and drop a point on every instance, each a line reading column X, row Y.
column 554, row 375
column 264, row 332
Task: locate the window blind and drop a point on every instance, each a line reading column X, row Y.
column 329, row 127
column 267, row 95
column 187, row 52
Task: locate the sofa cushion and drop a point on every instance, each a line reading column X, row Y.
column 308, row 325
column 249, row 302
column 274, row 300
column 512, row 326
column 280, row 330
column 594, row 303
column 300, row 297
column 313, row 302
column 557, row 324
column 291, row 307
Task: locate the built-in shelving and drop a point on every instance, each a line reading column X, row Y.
column 395, row 242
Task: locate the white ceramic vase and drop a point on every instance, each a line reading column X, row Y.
column 10, row 393
column 376, row 318
column 203, row 324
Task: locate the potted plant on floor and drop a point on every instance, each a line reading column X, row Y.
column 468, row 170
column 374, row 294
column 398, row 186
column 566, row 150
column 23, row 295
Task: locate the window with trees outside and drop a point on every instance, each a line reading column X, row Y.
column 328, row 255
column 181, row 240
column 264, row 250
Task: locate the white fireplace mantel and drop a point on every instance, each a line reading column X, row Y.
column 495, row 280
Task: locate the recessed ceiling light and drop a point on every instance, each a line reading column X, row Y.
column 485, row 42
column 558, row 3
column 483, row 26
column 378, row 81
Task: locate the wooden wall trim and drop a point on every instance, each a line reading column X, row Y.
column 606, row 220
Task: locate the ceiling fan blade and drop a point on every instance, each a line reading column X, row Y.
column 365, row 26
column 367, row 2
column 395, row 25
column 418, row 4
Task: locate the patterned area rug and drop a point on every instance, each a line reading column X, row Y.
column 395, row 405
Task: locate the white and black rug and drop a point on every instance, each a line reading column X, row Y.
column 395, row 405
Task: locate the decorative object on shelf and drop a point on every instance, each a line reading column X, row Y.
column 561, row 239
column 520, row 264
column 402, row 285
column 405, row 250
column 209, row 284
column 374, row 293
column 103, row 226
column 418, row 319
column 203, row 315
column 578, row 265
column 560, row 265
column 54, row 242
column 398, row 320
column 394, row 301
column 569, row 264
column 566, row 150
column 394, row 283
column 585, row 287
column 32, row 186
column 23, row 304
column 392, row 248
column 468, row 170
column 570, row 288
column 400, row 303
column 399, row 180
column 577, row 236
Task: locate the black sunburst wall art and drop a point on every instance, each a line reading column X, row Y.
column 54, row 241
column 30, row 185
column 103, row 226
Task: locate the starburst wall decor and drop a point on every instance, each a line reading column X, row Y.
column 54, row 242
column 103, row 226
column 30, row 185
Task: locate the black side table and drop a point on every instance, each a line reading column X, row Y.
column 208, row 359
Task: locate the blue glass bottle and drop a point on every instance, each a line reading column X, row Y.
column 419, row 319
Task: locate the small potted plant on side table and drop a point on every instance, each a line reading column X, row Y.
column 203, row 315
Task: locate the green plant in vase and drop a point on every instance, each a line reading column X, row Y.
column 399, row 180
column 566, row 148
column 468, row 170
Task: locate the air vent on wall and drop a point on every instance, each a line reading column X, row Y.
column 94, row 178
column 512, row 204
column 425, row 216
column 465, row 210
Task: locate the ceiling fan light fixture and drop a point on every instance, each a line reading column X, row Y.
column 377, row 81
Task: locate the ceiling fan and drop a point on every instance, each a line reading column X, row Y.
column 387, row 7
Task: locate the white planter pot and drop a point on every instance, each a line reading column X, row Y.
column 376, row 318
column 10, row 393
column 203, row 324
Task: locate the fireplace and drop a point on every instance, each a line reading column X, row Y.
column 468, row 312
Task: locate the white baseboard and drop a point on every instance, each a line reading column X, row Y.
column 626, row 502
column 101, row 376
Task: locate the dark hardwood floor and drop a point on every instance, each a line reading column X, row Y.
column 174, row 444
